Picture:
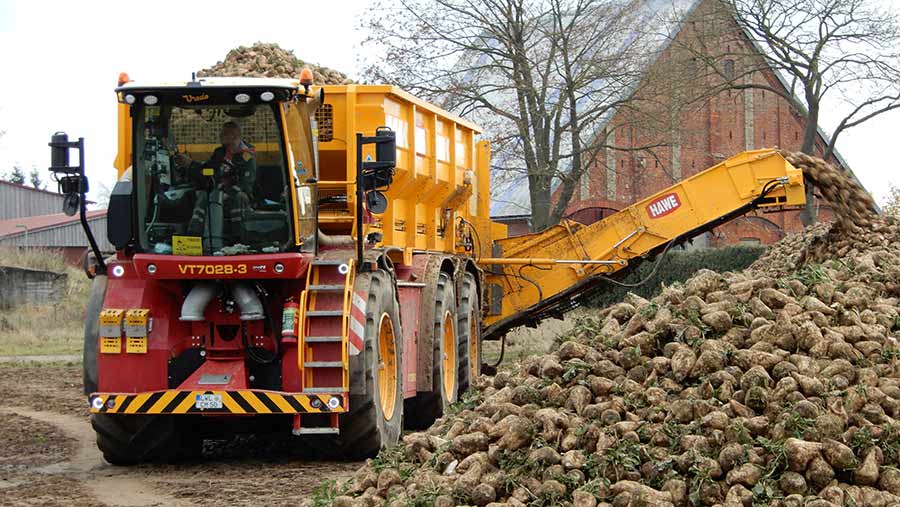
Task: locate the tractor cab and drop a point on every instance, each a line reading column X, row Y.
column 218, row 167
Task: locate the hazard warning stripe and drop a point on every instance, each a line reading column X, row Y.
column 163, row 401
column 254, row 402
column 246, row 408
column 233, row 402
column 177, row 400
column 357, row 333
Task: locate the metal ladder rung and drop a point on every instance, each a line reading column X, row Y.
column 322, row 339
column 325, row 313
column 323, row 364
column 327, row 262
column 326, row 288
column 316, row 431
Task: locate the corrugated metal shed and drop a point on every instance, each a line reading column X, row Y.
column 23, row 201
column 54, row 231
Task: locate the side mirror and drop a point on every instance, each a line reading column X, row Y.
column 73, row 184
column 376, row 202
column 379, row 173
column 119, row 224
column 386, row 146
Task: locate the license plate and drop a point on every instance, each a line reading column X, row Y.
column 208, row 401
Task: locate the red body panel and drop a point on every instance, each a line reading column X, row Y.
column 168, row 337
column 410, row 300
column 132, row 373
column 237, row 376
column 238, row 267
column 410, row 297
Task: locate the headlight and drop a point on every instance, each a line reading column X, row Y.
column 150, row 100
column 242, row 98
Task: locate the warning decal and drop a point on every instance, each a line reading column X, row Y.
column 187, row 245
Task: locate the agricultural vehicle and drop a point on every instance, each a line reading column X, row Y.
column 334, row 272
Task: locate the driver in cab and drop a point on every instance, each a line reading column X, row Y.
column 235, row 159
column 234, row 164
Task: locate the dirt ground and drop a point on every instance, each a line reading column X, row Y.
column 48, row 456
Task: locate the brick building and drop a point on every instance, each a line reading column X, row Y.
column 699, row 134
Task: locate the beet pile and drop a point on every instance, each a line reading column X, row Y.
column 270, row 60
column 778, row 385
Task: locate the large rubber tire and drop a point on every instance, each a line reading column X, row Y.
column 367, row 429
column 92, row 334
column 469, row 333
column 427, row 407
column 127, row 440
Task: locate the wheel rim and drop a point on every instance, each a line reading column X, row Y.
column 448, row 365
column 387, row 367
column 473, row 347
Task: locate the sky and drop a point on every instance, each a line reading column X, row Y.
column 61, row 60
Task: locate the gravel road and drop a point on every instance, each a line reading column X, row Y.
column 49, row 456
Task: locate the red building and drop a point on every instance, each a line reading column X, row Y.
column 700, row 134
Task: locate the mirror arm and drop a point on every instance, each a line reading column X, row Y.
column 372, row 175
column 73, row 183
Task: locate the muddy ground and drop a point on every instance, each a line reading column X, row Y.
column 48, row 456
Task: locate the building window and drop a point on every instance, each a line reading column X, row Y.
column 692, row 67
column 729, row 69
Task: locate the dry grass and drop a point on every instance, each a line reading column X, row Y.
column 44, row 329
column 523, row 342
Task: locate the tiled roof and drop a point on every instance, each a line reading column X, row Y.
column 12, row 227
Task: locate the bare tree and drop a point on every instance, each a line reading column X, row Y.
column 539, row 75
column 843, row 53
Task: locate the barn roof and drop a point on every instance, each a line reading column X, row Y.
column 54, row 231
column 13, row 227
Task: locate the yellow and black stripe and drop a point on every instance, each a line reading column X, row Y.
column 233, row 402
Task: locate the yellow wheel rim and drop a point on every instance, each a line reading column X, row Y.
column 448, row 365
column 387, row 367
column 473, row 348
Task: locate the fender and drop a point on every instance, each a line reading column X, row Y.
column 92, row 334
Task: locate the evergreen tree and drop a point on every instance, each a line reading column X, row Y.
column 35, row 178
column 17, row 176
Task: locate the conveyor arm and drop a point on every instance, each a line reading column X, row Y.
column 535, row 276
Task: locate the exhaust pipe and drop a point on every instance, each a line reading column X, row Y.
column 195, row 303
column 248, row 301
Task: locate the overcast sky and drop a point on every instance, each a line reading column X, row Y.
column 60, row 63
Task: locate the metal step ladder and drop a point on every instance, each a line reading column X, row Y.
column 323, row 357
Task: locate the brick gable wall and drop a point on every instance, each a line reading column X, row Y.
column 701, row 135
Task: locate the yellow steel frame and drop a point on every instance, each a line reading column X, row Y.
column 349, row 282
column 442, row 171
column 301, row 334
column 608, row 245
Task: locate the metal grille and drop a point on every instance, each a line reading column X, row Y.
column 325, row 122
